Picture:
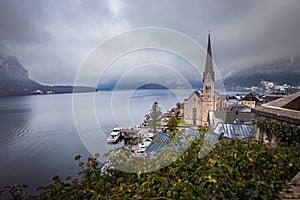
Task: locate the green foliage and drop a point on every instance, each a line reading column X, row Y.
column 285, row 133
column 173, row 134
column 15, row 191
column 235, row 169
column 155, row 116
column 172, row 123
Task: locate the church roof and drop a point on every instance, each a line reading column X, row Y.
column 199, row 93
column 209, row 63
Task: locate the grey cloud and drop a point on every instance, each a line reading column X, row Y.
column 49, row 36
column 243, row 33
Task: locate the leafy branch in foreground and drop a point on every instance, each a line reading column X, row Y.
column 235, row 169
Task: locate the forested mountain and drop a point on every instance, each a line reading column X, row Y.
column 281, row 71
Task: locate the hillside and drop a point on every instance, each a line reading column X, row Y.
column 13, row 76
column 281, row 71
column 14, row 79
column 153, row 86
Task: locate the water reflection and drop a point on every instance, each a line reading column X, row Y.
column 38, row 139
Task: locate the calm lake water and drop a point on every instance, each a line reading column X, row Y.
column 38, row 137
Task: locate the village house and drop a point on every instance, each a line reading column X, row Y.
column 251, row 100
column 233, row 100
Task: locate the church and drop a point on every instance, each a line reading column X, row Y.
column 200, row 102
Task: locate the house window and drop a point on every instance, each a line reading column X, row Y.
column 194, row 113
column 208, row 87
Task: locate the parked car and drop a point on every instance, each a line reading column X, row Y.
column 147, row 139
column 144, row 144
column 140, row 151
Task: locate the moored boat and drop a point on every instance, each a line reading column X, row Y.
column 114, row 135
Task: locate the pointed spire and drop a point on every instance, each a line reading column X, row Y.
column 209, row 63
column 208, row 45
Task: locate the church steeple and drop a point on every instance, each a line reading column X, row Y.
column 209, row 63
column 208, row 45
column 208, row 85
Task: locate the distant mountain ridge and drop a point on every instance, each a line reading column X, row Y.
column 281, row 71
column 14, row 79
column 13, row 76
column 153, row 86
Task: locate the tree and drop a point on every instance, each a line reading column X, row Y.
column 146, row 120
column 178, row 104
column 155, row 116
column 172, row 123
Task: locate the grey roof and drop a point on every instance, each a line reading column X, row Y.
column 251, row 97
column 211, row 137
column 216, row 117
column 285, row 109
column 191, row 132
column 232, row 130
column 130, row 131
column 161, row 139
column 239, row 107
column 232, row 97
column 159, row 142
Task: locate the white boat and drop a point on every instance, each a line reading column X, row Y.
column 114, row 135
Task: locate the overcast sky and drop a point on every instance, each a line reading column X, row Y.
column 53, row 38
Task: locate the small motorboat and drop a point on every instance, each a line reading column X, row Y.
column 114, row 135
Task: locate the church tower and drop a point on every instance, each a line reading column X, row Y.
column 208, row 85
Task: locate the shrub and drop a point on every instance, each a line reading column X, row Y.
column 235, row 169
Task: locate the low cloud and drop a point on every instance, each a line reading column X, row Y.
column 53, row 38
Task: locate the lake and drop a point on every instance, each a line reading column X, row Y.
column 39, row 139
